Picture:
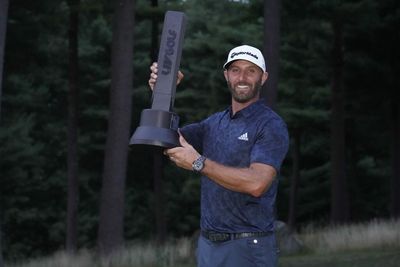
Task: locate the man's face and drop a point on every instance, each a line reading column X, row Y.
column 244, row 80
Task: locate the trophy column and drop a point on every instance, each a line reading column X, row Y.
column 159, row 125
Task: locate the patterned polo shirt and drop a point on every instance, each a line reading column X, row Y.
column 254, row 134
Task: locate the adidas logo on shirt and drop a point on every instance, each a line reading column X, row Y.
column 244, row 137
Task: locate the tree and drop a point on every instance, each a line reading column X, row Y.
column 154, row 33
column 72, row 129
column 395, row 181
column 271, row 47
column 387, row 36
column 295, row 177
column 158, row 164
column 3, row 27
column 1, row 250
column 339, row 193
column 159, row 206
column 110, row 232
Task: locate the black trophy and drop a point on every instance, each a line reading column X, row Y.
column 159, row 125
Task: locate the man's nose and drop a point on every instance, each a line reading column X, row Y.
column 242, row 76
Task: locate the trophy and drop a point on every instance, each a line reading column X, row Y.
column 159, row 125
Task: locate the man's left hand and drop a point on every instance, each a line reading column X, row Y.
column 182, row 156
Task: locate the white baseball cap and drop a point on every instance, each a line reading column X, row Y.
column 248, row 53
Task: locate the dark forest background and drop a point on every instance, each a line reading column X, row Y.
column 74, row 81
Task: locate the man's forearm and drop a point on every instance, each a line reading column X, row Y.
column 254, row 180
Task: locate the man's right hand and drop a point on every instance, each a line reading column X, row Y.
column 153, row 75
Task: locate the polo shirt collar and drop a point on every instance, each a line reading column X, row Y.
column 247, row 111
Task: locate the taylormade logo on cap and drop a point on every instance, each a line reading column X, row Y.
column 234, row 54
column 248, row 53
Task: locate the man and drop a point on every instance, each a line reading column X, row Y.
column 238, row 152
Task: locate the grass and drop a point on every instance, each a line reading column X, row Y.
column 377, row 234
column 354, row 258
column 174, row 253
column 372, row 244
column 178, row 253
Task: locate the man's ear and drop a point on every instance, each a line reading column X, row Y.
column 264, row 78
column 226, row 74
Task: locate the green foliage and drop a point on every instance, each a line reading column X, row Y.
column 33, row 126
column 26, row 186
column 204, row 90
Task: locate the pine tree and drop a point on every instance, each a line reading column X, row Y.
column 110, row 233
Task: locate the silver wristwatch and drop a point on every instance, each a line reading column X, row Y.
column 198, row 164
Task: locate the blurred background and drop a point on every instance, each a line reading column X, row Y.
column 73, row 79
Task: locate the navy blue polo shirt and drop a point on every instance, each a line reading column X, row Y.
column 254, row 134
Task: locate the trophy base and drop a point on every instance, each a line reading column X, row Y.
column 157, row 128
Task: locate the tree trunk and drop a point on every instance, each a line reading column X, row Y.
column 110, row 233
column 161, row 226
column 158, row 163
column 72, row 131
column 395, row 183
column 1, row 247
column 272, row 17
column 3, row 30
column 339, row 193
column 295, row 178
column 154, row 34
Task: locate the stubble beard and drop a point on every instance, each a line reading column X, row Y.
column 245, row 97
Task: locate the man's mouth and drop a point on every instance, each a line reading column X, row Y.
column 242, row 86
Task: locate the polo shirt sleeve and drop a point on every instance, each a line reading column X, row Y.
column 271, row 144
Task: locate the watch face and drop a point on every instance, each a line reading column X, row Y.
column 198, row 164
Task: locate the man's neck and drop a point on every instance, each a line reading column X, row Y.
column 237, row 106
